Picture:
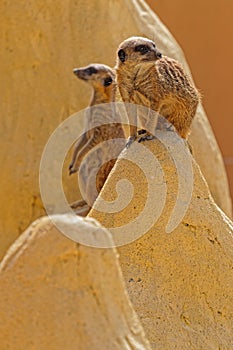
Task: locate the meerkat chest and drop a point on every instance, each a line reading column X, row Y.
column 102, row 123
column 145, row 79
column 136, row 85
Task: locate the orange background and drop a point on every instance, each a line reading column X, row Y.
column 204, row 29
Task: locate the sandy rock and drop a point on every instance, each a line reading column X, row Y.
column 42, row 43
column 56, row 294
column 180, row 283
column 202, row 140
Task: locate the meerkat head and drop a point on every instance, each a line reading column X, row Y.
column 137, row 50
column 99, row 76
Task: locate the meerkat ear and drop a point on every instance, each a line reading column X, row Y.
column 122, row 55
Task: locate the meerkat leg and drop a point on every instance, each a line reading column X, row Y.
column 148, row 130
column 83, row 211
column 80, row 207
column 81, row 154
column 142, row 120
column 132, row 137
column 133, row 122
column 79, row 145
column 78, row 204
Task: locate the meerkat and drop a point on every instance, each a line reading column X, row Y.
column 146, row 77
column 102, row 80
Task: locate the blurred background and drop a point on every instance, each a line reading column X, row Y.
column 204, row 30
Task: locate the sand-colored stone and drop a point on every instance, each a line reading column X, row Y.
column 56, row 295
column 41, row 43
column 180, row 283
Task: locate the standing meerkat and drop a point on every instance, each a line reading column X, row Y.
column 99, row 127
column 147, row 78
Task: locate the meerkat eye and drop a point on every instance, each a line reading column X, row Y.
column 143, row 49
column 90, row 70
column 107, row 81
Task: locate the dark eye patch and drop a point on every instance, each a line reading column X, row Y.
column 107, row 81
column 91, row 70
column 143, row 49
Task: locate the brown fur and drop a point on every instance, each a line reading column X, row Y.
column 157, row 82
column 96, row 135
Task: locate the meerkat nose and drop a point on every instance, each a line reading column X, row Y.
column 76, row 71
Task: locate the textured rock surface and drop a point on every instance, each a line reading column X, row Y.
column 180, row 283
column 56, row 295
column 42, row 42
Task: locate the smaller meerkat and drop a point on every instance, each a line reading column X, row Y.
column 102, row 80
column 147, row 78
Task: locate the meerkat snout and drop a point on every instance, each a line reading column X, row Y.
column 85, row 73
column 76, row 71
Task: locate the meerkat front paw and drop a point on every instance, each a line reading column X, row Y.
column 130, row 140
column 146, row 137
column 72, row 169
column 141, row 132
